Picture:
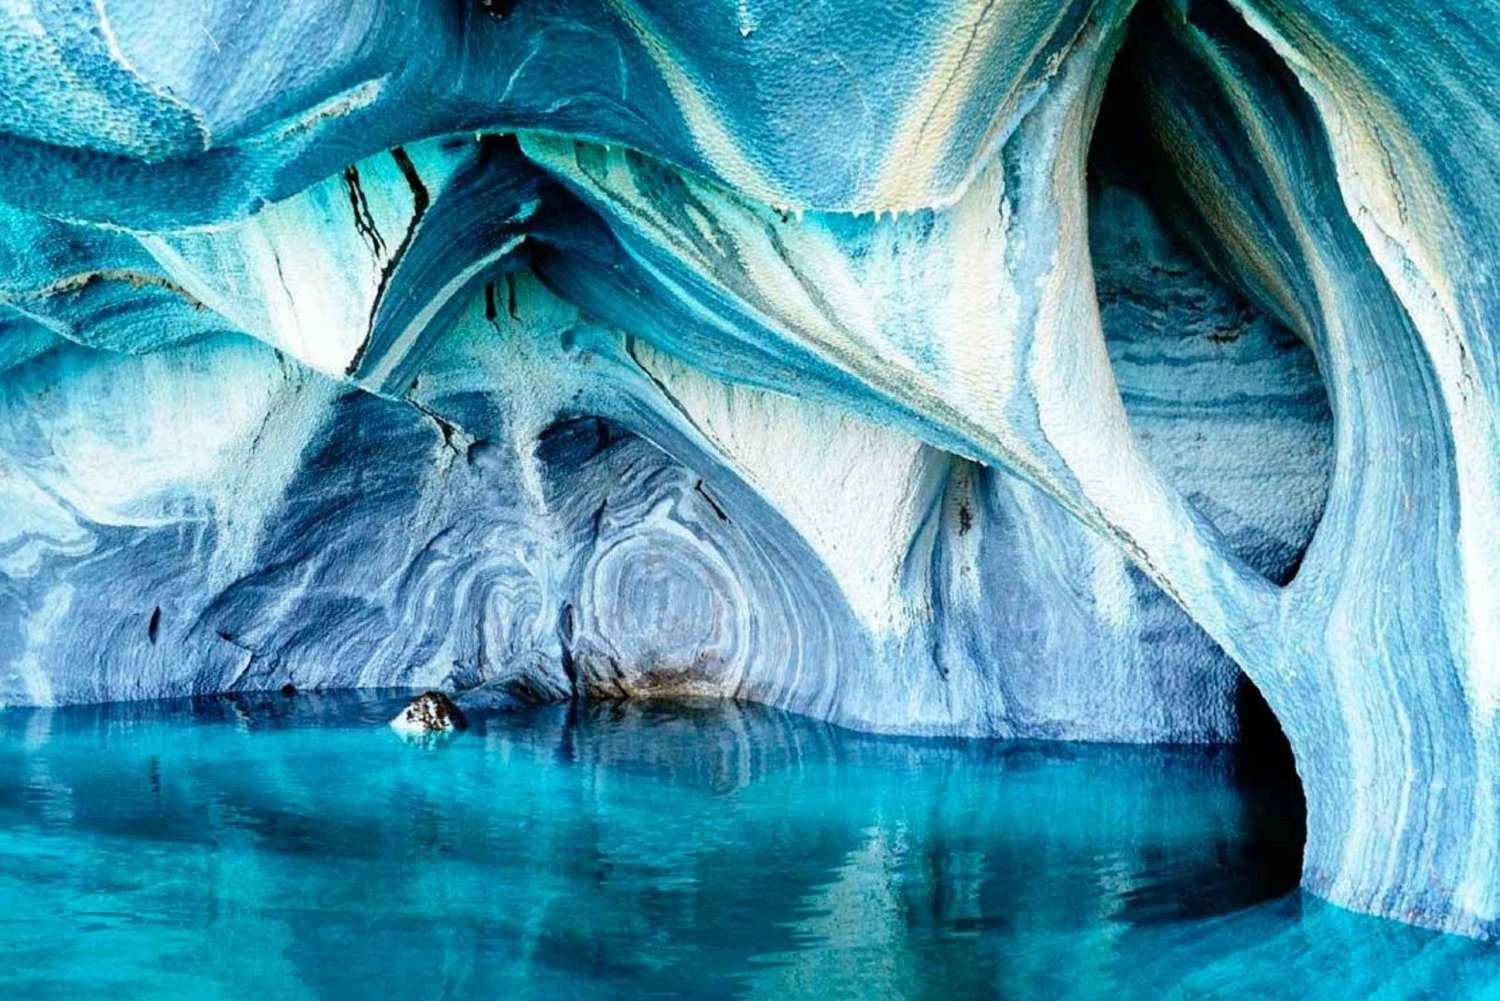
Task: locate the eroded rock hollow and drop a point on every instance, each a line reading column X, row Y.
column 1040, row 368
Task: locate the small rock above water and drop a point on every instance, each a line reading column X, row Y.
column 430, row 712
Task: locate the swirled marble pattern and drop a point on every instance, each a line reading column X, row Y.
column 1044, row 368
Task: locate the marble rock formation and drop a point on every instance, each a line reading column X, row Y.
column 430, row 712
column 1035, row 368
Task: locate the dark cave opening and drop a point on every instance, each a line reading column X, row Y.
column 1265, row 771
column 1225, row 399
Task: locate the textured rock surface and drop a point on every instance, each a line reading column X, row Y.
column 825, row 355
column 430, row 712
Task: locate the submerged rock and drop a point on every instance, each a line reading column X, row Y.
column 430, row 712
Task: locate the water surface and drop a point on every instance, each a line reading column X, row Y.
column 297, row 848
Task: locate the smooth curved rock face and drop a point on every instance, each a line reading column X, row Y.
column 843, row 357
column 218, row 112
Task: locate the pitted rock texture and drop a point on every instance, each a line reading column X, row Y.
column 430, row 712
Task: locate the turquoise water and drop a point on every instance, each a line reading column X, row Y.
column 278, row 848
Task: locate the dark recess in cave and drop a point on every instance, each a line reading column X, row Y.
column 1124, row 154
column 1173, row 265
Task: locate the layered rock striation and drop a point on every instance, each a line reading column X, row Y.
column 1040, row 368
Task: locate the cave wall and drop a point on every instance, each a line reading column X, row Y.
column 555, row 510
column 843, row 357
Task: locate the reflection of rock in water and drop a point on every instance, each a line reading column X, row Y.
column 704, row 848
column 723, row 748
column 715, row 745
column 942, row 841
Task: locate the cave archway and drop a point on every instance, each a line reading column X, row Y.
column 1226, row 399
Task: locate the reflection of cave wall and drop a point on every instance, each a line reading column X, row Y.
column 854, row 846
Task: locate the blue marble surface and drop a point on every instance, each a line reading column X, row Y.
column 1034, row 368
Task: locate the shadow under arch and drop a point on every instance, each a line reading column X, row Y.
column 1225, row 396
